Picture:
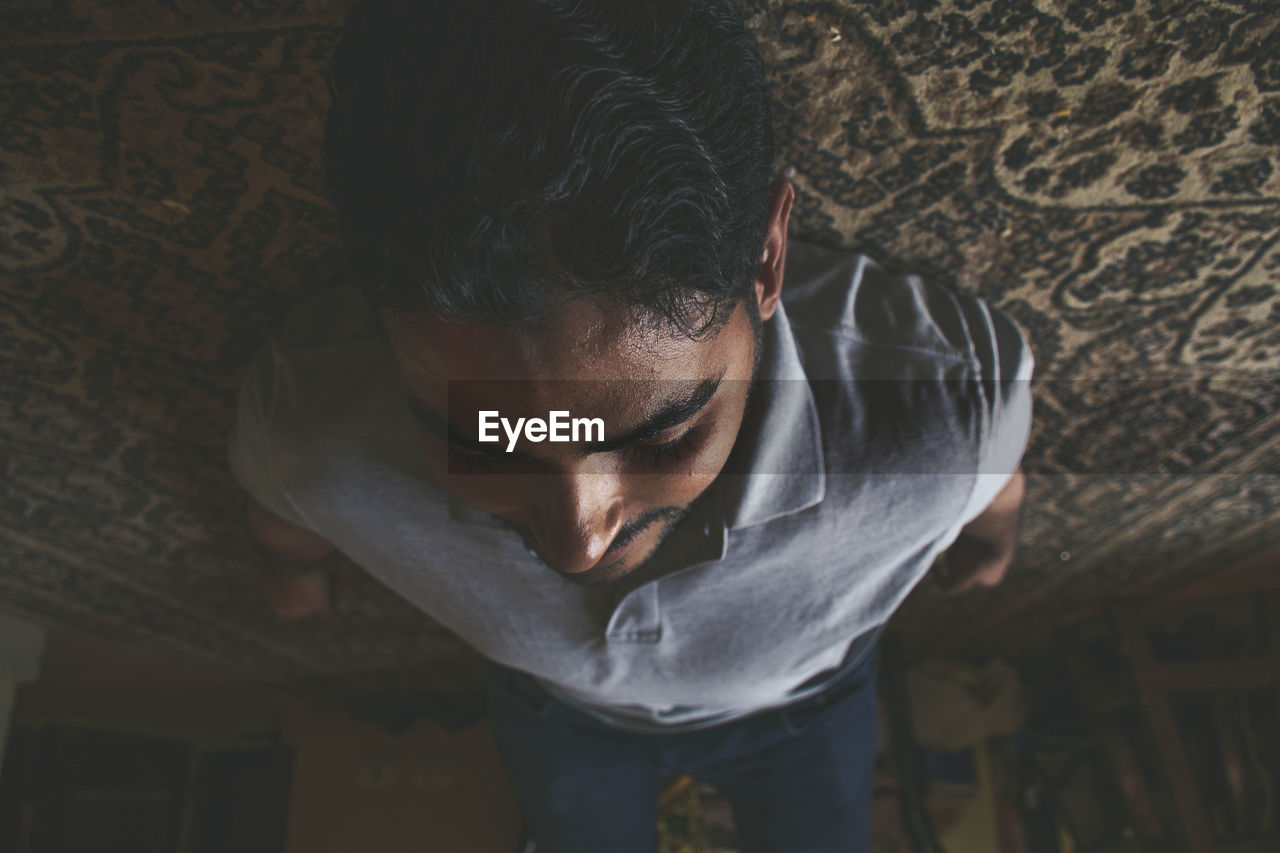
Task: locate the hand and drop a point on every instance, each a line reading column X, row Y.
column 983, row 551
column 297, row 594
column 970, row 563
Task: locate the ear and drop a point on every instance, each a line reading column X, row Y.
column 769, row 276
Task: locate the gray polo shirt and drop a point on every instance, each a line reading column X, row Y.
column 889, row 413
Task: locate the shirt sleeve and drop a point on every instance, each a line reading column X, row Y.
column 249, row 445
column 1005, row 363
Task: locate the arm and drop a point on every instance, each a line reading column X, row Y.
column 981, row 555
column 296, row 585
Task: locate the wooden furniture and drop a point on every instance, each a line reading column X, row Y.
column 1156, row 675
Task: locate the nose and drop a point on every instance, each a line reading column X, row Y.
column 575, row 518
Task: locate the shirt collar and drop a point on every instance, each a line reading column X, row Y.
column 776, row 467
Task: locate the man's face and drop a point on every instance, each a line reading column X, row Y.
column 594, row 511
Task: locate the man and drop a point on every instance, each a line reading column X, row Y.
column 570, row 210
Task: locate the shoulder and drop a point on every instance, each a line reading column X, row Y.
column 908, row 376
column 321, row 425
column 321, row 357
column 845, row 302
column 321, row 376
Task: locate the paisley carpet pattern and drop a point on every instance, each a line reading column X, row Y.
column 1107, row 171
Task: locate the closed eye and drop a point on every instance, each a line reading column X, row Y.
column 657, row 456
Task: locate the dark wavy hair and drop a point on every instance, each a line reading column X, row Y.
column 489, row 156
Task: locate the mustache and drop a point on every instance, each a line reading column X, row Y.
column 644, row 521
column 630, row 530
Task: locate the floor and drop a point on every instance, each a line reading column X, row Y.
column 423, row 788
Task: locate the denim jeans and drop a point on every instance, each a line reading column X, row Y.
column 798, row 778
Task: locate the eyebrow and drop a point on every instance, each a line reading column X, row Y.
column 673, row 413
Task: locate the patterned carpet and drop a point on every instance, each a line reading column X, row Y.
column 1105, row 170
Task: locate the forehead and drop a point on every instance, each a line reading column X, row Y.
column 584, row 340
